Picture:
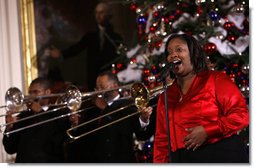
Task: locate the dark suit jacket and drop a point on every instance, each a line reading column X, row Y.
column 112, row 144
column 97, row 57
column 82, row 150
column 38, row 144
column 115, row 142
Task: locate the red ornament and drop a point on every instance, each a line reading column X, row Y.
column 200, row 10
column 156, row 14
column 152, row 29
column 244, row 82
column 232, row 77
column 158, row 44
column 171, row 17
column 178, row 12
column 119, row 66
column 133, row 60
column 235, row 65
column 133, row 7
column 144, row 157
column 231, row 38
column 147, row 72
column 228, row 25
column 113, row 71
column 165, row 20
column 226, row 19
column 210, row 48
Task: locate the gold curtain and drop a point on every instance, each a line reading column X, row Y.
column 28, row 41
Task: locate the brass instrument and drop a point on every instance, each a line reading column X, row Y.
column 71, row 99
column 15, row 99
column 141, row 96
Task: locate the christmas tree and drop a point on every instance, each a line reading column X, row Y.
column 221, row 27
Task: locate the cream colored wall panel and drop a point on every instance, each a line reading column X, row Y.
column 11, row 71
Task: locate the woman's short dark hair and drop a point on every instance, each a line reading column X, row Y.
column 197, row 54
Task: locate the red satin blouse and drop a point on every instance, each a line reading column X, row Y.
column 212, row 101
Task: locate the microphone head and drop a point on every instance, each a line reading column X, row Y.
column 167, row 68
column 171, row 65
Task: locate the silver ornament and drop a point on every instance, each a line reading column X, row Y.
column 245, row 68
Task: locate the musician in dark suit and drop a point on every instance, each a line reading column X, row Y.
column 114, row 143
column 42, row 143
column 101, row 46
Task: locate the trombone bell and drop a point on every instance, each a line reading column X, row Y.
column 14, row 99
column 140, row 94
column 73, row 98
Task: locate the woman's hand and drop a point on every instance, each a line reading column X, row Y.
column 196, row 137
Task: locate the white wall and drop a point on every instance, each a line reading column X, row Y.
column 11, row 65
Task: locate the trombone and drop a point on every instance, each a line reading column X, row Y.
column 15, row 100
column 141, row 96
column 71, row 99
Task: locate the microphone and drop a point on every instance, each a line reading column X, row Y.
column 167, row 68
